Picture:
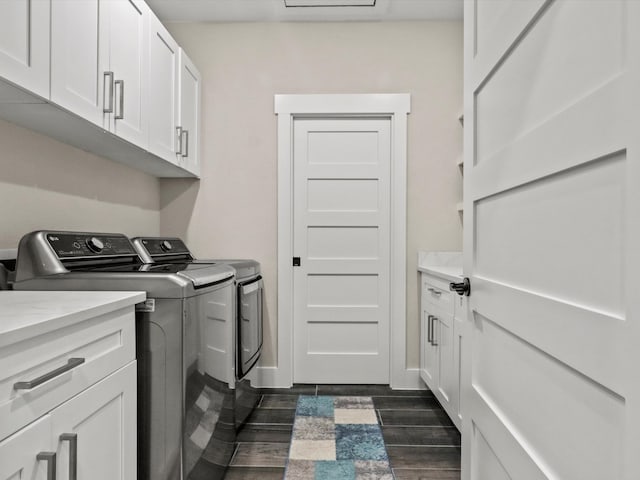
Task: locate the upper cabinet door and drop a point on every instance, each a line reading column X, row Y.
column 189, row 122
column 99, row 62
column 129, row 63
column 80, row 78
column 24, row 44
column 163, row 89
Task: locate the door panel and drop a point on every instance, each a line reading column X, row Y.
column 189, row 114
column 163, row 90
column 550, row 220
column 24, row 44
column 104, row 419
column 341, row 233
column 80, row 57
column 18, row 452
column 129, row 41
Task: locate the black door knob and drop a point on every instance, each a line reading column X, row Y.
column 461, row 288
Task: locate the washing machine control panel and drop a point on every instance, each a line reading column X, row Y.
column 164, row 246
column 69, row 245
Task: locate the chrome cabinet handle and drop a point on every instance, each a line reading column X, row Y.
column 429, row 328
column 109, row 108
column 50, row 458
column 186, row 143
column 120, row 116
column 72, row 438
column 179, row 134
column 28, row 385
column 434, row 291
column 433, row 331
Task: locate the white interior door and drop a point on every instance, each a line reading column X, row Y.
column 552, row 211
column 341, row 171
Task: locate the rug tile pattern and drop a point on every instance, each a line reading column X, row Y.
column 337, row 438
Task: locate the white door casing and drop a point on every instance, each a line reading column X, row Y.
column 551, row 237
column 391, row 106
column 341, row 234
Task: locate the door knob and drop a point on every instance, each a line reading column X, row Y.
column 461, row 288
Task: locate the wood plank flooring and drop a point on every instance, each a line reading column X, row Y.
column 421, row 441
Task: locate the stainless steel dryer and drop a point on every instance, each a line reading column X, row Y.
column 183, row 299
column 244, row 337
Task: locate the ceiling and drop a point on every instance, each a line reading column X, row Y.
column 308, row 11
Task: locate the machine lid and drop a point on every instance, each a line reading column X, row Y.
column 198, row 274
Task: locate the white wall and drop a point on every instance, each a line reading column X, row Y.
column 45, row 184
column 231, row 211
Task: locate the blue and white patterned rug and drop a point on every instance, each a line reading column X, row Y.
column 337, row 438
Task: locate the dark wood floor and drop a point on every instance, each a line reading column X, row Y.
column 421, row 441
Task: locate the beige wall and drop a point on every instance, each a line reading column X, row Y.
column 45, row 184
column 231, row 212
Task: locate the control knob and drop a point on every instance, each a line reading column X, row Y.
column 95, row 244
column 166, row 246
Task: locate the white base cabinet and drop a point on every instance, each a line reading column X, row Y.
column 441, row 343
column 68, row 397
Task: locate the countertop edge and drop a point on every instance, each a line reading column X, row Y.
column 48, row 325
column 451, row 274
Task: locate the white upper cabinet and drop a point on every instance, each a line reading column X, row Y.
column 99, row 61
column 24, row 44
column 189, row 119
column 163, row 89
column 75, row 69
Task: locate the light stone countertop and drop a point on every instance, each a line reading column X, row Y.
column 28, row 314
column 446, row 265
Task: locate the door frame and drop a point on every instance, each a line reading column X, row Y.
column 396, row 107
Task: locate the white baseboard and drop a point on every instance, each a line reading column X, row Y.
column 408, row 379
column 271, row 377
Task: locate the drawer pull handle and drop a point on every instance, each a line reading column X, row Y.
column 71, row 363
column 50, row 458
column 433, row 334
column 434, row 291
column 72, row 438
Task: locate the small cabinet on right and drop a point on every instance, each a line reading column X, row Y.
column 175, row 87
column 441, row 338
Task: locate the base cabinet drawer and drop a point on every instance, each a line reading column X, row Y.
column 38, row 374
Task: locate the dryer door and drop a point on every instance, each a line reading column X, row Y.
column 249, row 324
